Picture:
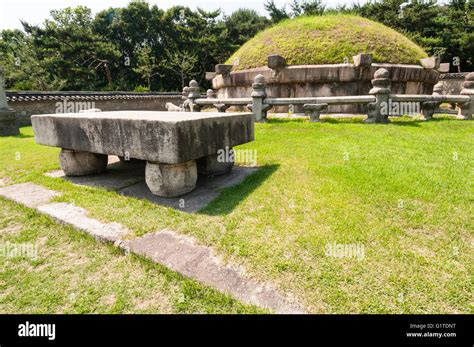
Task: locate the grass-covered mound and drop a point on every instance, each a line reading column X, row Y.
column 326, row 40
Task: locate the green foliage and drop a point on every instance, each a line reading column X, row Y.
column 326, row 40
column 141, row 44
column 141, row 89
column 446, row 30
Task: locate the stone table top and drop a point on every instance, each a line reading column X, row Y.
column 165, row 137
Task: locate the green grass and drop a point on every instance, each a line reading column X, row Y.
column 326, row 40
column 73, row 273
column 402, row 190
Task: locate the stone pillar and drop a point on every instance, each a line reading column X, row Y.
column 193, row 95
column 467, row 109
column 378, row 111
column 258, row 95
column 216, row 164
column 8, row 121
column 184, row 96
column 314, row 111
column 277, row 63
column 428, row 107
column 77, row 163
column 220, row 107
column 171, row 180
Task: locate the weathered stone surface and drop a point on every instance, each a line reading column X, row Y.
column 362, row 60
column 211, row 165
column 223, row 69
column 207, row 189
column 444, row 67
column 171, row 180
column 181, row 254
column 119, row 175
column 325, row 80
column 430, row 63
column 77, row 163
column 466, row 110
column 77, row 217
column 276, row 62
column 314, row 111
column 165, row 137
column 8, row 123
column 28, row 194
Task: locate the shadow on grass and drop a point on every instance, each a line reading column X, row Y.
column 330, row 120
column 230, row 198
column 23, row 136
column 347, row 120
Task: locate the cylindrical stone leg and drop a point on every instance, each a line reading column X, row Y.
column 77, row 163
column 171, row 180
column 216, row 164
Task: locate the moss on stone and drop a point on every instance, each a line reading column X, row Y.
column 326, row 40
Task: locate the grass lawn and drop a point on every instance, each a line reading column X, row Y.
column 402, row 191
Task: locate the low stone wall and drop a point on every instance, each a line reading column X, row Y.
column 452, row 82
column 325, row 80
column 26, row 104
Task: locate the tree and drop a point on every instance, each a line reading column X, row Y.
column 23, row 69
column 182, row 63
column 68, row 46
column 276, row 14
column 307, row 8
column 146, row 67
column 243, row 24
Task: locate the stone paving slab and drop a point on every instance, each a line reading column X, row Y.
column 177, row 252
column 129, row 179
column 77, row 217
column 181, row 254
column 28, row 194
column 118, row 175
column 206, row 191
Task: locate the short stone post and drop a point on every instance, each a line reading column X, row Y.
column 193, row 95
column 314, row 111
column 210, row 94
column 8, row 122
column 220, row 107
column 258, row 95
column 428, row 107
column 467, row 109
column 378, row 111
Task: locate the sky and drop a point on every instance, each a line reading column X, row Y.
column 35, row 11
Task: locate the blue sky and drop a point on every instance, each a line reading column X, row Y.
column 35, row 11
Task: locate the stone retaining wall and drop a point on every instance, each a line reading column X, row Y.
column 452, row 82
column 26, row 104
column 325, row 80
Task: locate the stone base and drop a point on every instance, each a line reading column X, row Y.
column 8, row 123
column 76, row 163
column 171, row 180
column 463, row 116
column 211, row 166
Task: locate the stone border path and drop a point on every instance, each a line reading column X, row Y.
column 178, row 252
